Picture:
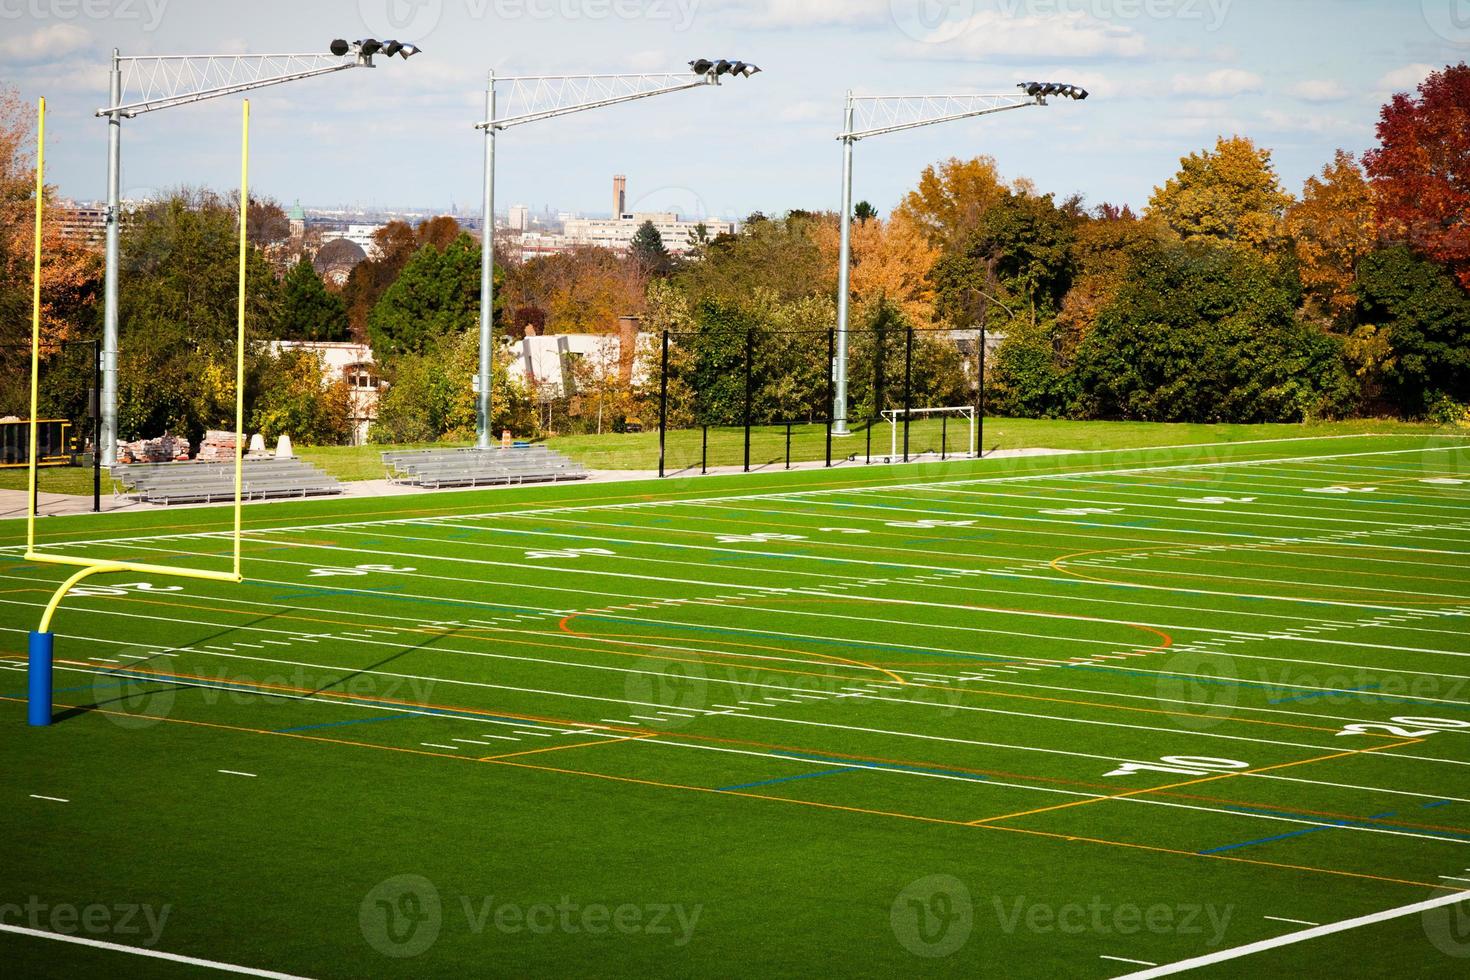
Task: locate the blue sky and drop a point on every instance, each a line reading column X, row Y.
column 1302, row 77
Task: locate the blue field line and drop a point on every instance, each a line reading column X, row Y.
column 890, row 766
column 1321, row 694
column 1263, row 686
column 339, row 724
column 787, row 779
column 1333, row 824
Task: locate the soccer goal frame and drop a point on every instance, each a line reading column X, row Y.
column 42, row 640
column 966, row 412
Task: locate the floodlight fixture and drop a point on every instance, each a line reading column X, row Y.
column 1040, row 90
column 722, row 67
column 369, row 46
column 701, row 66
column 407, row 50
column 340, row 47
column 390, row 48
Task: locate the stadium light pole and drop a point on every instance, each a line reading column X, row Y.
column 865, row 116
column 546, row 97
column 162, row 82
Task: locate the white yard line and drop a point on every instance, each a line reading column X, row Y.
column 150, row 953
column 1289, row 939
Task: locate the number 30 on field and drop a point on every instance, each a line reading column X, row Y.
column 1405, row 727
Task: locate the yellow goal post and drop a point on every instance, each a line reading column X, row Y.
column 42, row 640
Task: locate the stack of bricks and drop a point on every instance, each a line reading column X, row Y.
column 166, row 448
column 218, row 447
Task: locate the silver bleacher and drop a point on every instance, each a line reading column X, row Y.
column 436, row 468
column 202, row 483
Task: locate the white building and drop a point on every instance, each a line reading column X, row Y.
column 617, row 233
column 359, row 235
column 354, row 364
column 518, row 218
column 556, row 366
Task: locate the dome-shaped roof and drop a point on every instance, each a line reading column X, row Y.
column 339, row 253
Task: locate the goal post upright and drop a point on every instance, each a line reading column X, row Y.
column 42, row 641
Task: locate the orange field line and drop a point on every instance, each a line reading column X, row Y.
column 561, row 748
column 778, row 799
column 1196, row 782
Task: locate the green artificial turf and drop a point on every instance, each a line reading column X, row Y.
column 855, row 722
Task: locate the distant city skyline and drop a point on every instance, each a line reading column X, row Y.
column 1167, row 77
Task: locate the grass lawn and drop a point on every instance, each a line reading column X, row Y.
column 639, row 451
column 1030, row 717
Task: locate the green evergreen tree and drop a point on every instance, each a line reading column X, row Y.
column 308, row 310
column 438, row 293
column 647, row 249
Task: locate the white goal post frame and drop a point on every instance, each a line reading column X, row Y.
column 963, row 411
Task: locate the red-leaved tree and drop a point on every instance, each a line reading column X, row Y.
column 1421, row 169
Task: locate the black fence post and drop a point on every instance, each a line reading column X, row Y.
column 749, row 357
column 908, row 368
column 788, row 445
column 943, row 437
column 980, row 400
column 704, row 449
column 663, row 401
column 95, row 407
column 868, row 452
column 831, row 370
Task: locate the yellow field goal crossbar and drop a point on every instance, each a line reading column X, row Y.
column 42, row 640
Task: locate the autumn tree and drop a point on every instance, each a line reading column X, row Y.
column 308, row 310
column 1106, row 243
column 393, row 245
column 1333, row 229
column 782, row 255
column 1421, row 169
column 1228, row 196
column 952, row 197
column 71, row 276
column 890, row 262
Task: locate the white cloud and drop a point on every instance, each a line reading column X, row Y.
column 1222, row 84
column 1309, row 123
column 1319, row 90
column 49, row 42
column 994, row 36
column 774, row 14
column 1405, row 79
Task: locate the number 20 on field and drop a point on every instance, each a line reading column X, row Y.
column 1405, row 727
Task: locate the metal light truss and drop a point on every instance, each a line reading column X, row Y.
column 162, row 81
column 876, row 115
column 529, row 98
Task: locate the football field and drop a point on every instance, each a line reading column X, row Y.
column 1202, row 708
